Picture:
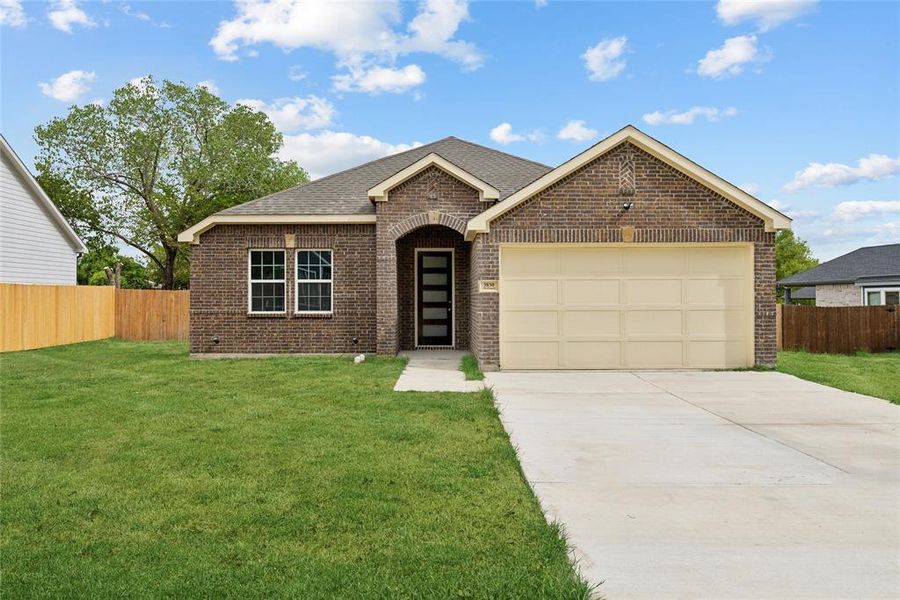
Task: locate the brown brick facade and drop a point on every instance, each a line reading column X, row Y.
column 432, row 197
column 586, row 206
column 219, row 291
column 374, row 298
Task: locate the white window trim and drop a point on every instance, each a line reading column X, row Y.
column 881, row 290
column 298, row 281
column 251, row 281
column 452, row 252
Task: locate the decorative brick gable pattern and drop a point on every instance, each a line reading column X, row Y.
column 587, row 206
column 219, row 291
column 431, row 198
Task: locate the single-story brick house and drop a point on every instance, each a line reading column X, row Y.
column 628, row 255
column 867, row 276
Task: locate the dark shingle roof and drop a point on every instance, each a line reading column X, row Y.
column 870, row 262
column 805, row 293
column 346, row 192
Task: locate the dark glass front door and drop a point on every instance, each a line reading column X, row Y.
column 434, row 301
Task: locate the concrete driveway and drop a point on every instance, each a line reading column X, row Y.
column 713, row 484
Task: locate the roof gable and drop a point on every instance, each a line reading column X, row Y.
column 773, row 219
column 379, row 192
column 41, row 197
column 347, row 192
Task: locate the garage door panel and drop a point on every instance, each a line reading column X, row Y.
column 640, row 307
column 728, row 323
column 590, row 262
column 659, row 323
column 534, row 322
column 591, row 292
column 655, row 262
column 530, row 293
column 716, row 354
column 716, row 262
column 592, row 355
column 715, row 292
column 596, row 323
column 652, row 292
column 654, row 354
column 529, row 262
column 530, row 355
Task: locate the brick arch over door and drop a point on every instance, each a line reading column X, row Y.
column 432, row 217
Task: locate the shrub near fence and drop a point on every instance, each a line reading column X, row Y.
column 840, row 330
column 36, row 316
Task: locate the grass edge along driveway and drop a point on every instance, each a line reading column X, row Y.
column 130, row 469
column 873, row 374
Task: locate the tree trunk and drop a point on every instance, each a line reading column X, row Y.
column 168, row 281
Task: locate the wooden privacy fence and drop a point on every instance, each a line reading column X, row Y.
column 152, row 314
column 36, row 316
column 839, row 330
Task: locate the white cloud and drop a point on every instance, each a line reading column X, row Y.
column 327, row 152
column 296, row 73
column 65, row 13
column 750, row 188
column 210, row 86
column 141, row 16
column 604, row 61
column 796, row 214
column 855, row 210
column 576, row 131
column 294, row 114
column 767, row 14
column 731, row 58
column 433, row 28
column 503, row 134
column 12, row 13
column 69, row 86
column 376, row 80
column 353, row 31
column 540, row 3
column 870, row 168
column 688, row 117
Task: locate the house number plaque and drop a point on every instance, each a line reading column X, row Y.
column 488, row 285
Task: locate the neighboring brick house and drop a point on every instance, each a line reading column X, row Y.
column 867, row 276
column 626, row 256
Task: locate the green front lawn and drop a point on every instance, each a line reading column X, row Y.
column 872, row 374
column 130, row 470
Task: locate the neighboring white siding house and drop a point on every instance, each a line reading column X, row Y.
column 36, row 243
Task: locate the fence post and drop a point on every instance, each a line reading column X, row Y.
column 778, row 327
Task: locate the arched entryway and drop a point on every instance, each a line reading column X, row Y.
column 433, row 288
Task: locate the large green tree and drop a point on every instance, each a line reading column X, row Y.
column 792, row 255
column 157, row 159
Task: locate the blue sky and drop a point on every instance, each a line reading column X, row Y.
column 798, row 101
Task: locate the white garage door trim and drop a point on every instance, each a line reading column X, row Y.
column 592, row 314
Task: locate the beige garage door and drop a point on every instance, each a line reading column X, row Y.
column 626, row 307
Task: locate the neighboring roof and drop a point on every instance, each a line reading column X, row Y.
column 486, row 191
column 872, row 262
column 346, row 193
column 773, row 219
column 41, row 196
column 804, row 293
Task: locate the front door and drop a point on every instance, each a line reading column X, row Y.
column 434, row 298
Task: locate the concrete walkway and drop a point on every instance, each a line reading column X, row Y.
column 713, row 484
column 435, row 371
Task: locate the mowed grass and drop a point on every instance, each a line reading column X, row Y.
column 131, row 470
column 871, row 374
column 469, row 367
